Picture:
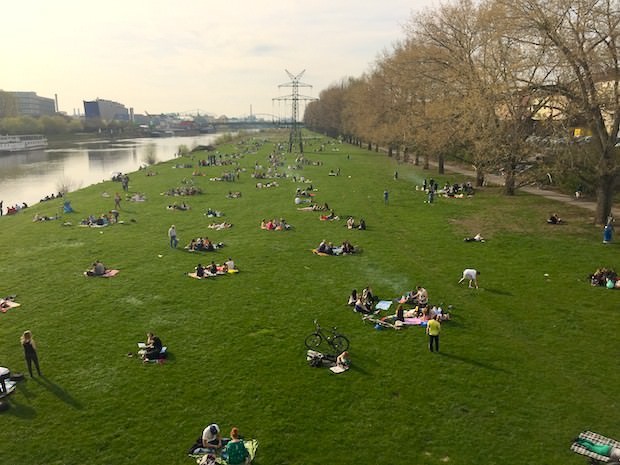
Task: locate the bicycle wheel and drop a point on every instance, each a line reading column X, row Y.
column 340, row 343
column 313, row 341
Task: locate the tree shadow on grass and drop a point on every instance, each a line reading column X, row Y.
column 59, row 392
column 486, row 366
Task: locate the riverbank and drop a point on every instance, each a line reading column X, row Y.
column 236, row 342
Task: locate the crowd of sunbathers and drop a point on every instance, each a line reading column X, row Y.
column 183, row 190
column 102, row 220
column 203, row 244
column 51, row 196
column 275, row 225
column 329, row 249
column 267, row 185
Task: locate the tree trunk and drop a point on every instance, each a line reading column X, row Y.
column 426, row 162
column 440, row 164
column 416, row 160
column 604, row 197
column 479, row 177
column 509, row 182
column 390, row 151
column 369, row 146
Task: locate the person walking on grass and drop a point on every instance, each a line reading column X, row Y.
column 172, row 235
column 30, row 352
column 385, row 196
column 433, row 328
column 117, row 201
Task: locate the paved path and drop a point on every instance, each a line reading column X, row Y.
column 499, row 181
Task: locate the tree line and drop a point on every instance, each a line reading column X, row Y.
column 503, row 85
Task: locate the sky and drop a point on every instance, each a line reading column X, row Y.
column 226, row 57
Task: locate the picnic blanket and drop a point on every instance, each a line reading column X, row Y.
column 383, row 305
column 595, row 446
column 107, row 274
column 322, row 254
column 7, row 304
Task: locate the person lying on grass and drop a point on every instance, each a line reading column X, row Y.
column 176, row 206
column 329, row 217
column 218, row 226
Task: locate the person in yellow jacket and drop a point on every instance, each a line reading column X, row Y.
column 433, row 328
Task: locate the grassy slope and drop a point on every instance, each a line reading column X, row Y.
column 527, row 361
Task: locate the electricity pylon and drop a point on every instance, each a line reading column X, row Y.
column 295, row 139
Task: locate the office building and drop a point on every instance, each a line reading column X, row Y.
column 106, row 110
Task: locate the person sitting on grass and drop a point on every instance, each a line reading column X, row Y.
column 554, row 219
column 200, row 271
column 98, row 269
column 362, row 225
column 152, row 350
column 234, row 451
column 230, row 264
column 361, row 306
column 343, row 360
column 324, row 247
column 350, row 223
column 212, row 269
column 352, row 298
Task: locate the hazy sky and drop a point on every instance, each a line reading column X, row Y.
column 218, row 56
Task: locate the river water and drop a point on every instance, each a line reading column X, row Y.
column 30, row 176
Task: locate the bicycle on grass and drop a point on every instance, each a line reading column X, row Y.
column 338, row 342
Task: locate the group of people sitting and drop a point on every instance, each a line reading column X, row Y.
column 363, row 302
column 605, row 277
column 210, row 213
column 51, row 196
column 418, row 297
column 175, row 206
column 351, row 224
column 423, row 313
column 203, row 244
column 183, row 190
column 554, row 219
column 214, row 269
column 15, row 208
column 266, row 185
column 104, row 219
column 275, row 225
column 233, row 450
column 328, row 248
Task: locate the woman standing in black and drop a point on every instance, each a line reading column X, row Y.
column 30, row 352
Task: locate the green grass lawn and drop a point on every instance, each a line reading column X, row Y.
column 527, row 361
